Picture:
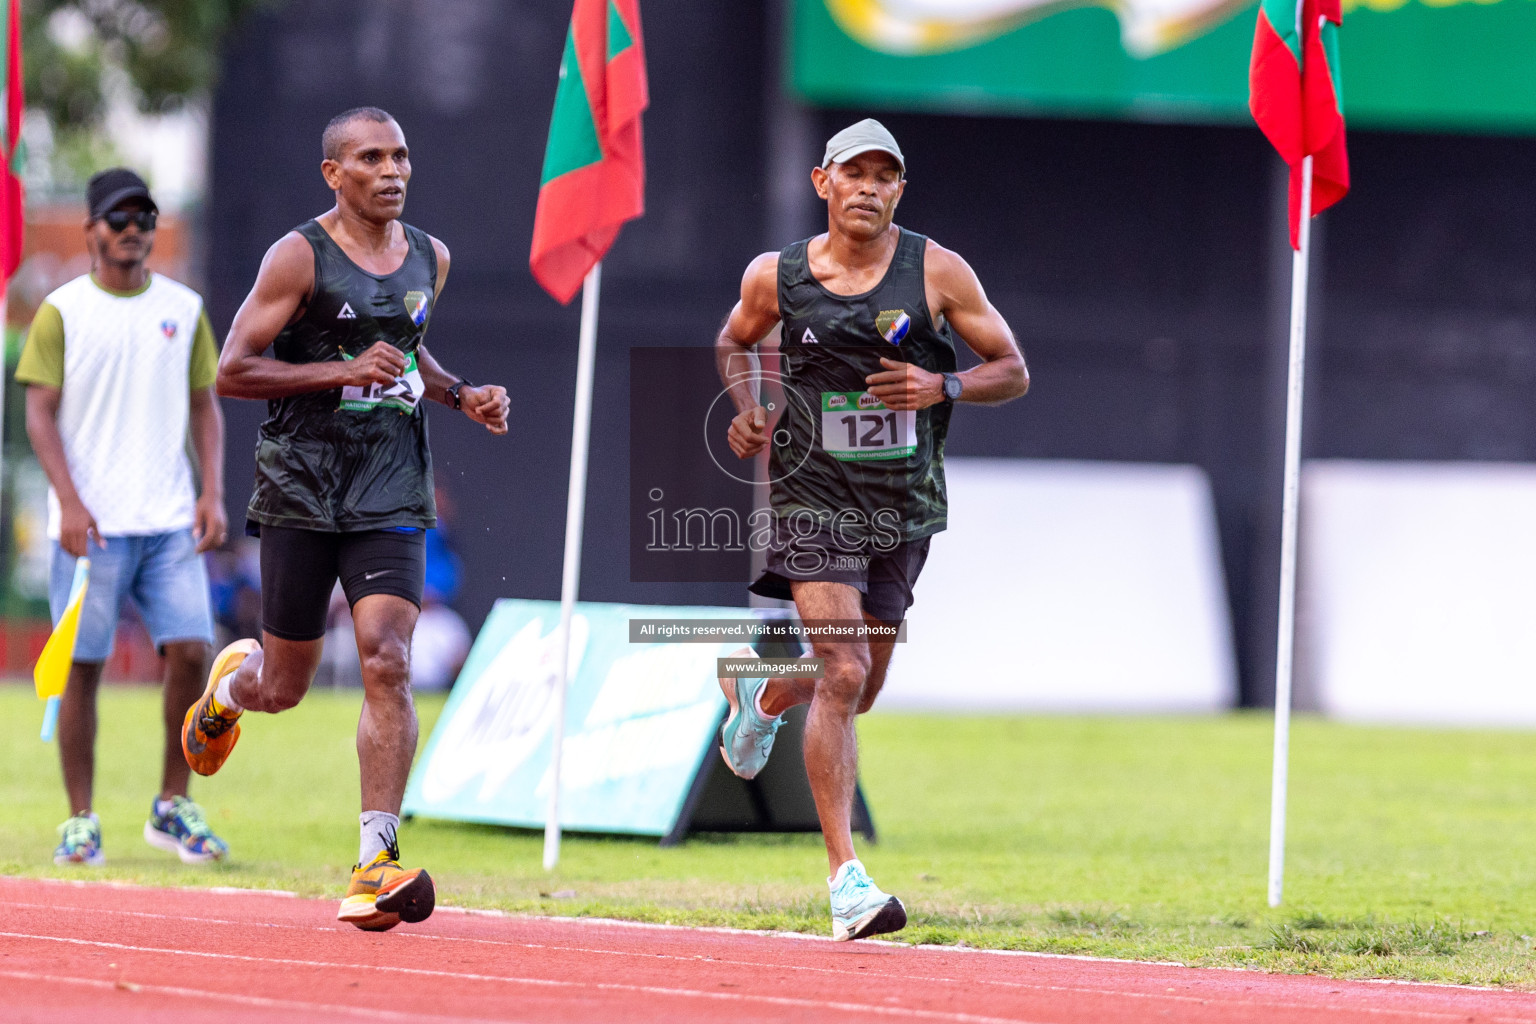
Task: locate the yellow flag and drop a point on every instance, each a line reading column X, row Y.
column 52, row 669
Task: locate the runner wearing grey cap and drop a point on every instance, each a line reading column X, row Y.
column 869, row 312
column 868, row 136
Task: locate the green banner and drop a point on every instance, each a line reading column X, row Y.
column 1417, row 64
column 640, row 720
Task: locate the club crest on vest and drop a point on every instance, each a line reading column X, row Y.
column 416, row 307
column 168, row 328
column 893, row 325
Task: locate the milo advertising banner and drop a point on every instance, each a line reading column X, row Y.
column 639, row 720
column 1424, row 64
column 642, row 719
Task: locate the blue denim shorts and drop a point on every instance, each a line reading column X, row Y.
column 161, row 573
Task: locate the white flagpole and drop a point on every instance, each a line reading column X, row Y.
column 1285, row 645
column 575, row 507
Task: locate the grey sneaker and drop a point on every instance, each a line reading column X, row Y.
column 859, row 908
column 746, row 737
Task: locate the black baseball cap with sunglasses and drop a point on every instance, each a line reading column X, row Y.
column 109, row 188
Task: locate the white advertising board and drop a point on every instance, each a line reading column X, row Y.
column 1417, row 592
column 1070, row 586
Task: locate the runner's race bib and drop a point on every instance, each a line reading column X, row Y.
column 403, row 395
column 856, row 426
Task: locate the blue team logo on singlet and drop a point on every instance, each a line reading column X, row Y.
column 416, row 307
column 893, row 325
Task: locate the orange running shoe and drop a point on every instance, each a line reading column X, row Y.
column 383, row 894
column 209, row 732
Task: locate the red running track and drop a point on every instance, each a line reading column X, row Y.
column 91, row 951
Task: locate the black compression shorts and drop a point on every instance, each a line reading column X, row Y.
column 300, row 567
column 884, row 578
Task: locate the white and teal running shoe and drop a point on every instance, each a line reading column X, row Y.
column 80, row 842
column 747, row 736
column 859, row 908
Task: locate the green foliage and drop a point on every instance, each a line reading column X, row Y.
column 167, row 49
column 1410, row 853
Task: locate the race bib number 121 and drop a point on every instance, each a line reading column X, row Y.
column 856, row 426
column 403, row 395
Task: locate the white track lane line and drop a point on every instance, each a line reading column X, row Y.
column 86, row 883
column 917, row 978
column 760, row 933
column 620, row 923
column 608, row 986
column 204, row 995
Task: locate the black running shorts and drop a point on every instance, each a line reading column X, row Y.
column 883, row 578
column 300, row 567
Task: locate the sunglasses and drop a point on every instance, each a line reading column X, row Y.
column 118, row 220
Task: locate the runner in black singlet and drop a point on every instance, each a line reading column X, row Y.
column 343, row 479
column 869, row 312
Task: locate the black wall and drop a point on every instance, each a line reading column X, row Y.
column 1142, row 266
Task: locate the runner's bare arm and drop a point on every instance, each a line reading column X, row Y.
column 76, row 524
column 277, row 299
column 751, row 319
column 484, row 403
column 437, row 379
column 443, row 260
column 955, row 293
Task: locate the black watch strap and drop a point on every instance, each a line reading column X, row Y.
column 453, row 391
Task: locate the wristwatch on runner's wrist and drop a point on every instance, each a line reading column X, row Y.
column 453, row 391
column 953, row 385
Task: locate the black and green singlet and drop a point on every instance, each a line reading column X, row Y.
column 351, row 459
column 837, row 451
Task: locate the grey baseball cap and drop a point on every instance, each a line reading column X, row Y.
column 863, row 137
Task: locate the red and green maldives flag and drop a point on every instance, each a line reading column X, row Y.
column 10, row 144
column 594, row 163
column 1293, row 91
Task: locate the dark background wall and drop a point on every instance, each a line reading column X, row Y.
column 1142, row 266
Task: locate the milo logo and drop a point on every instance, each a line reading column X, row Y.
column 837, row 401
column 869, row 401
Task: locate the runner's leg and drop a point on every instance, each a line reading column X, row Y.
column 276, row 677
column 831, row 746
column 779, row 695
column 298, row 571
column 879, row 663
column 386, row 732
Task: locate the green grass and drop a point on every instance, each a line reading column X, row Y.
column 1411, row 854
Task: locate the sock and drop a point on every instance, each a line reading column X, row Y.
column 221, row 695
column 378, row 833
column 842, row 870
column 164, row 807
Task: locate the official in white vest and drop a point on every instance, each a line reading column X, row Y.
column 119, row 366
